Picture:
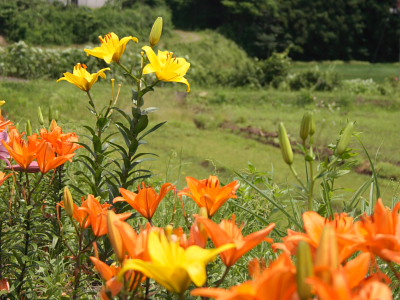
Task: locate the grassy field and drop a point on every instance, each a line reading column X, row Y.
column 355, row 69
column 215, row 131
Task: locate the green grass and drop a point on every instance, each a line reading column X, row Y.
column 186, row 150
column 363, row 70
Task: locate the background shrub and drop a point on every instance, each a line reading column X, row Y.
column 315, row 79
column 39, row 22
column 275, row 69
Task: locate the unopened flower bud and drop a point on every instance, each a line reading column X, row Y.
column 68, row 202
column 305, row 126
column 50, row 116
column 313, row 126
column 156, row 32
column 345, row 138
column 56, row 115
column 327, row 258
column 114, row 235
column 40, row 115
column 305, row 269
column 286, row 147
column 2, row 102
column 28, row 127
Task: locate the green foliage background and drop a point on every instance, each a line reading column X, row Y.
column 313, row 30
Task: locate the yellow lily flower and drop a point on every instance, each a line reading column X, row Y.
column 171, row 265
column 166, row 66
column 82, row 78
column 111, row 48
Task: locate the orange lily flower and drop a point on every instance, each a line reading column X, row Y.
column 340, row 289
column 227, row 232
column 4, row 285
column 47, row 159
column 314, row 225
column 208, row 193
column 380, row 233
column 109, row 274
column 23, row 151
column 97, row 215
column 330, row 280
column 81, row 216
column 135, row 244
column 5, row 124
column 278, row 282
column 198, row 236
column 146, row 201
column 62, row 143
column 4, row 177
column 351, row 282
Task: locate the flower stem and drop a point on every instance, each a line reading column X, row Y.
column 128, row 72
column 223, row 276
column 77, row 271
column 146, row 295
column 26, row 248
column 311, row 187
column 297, row 176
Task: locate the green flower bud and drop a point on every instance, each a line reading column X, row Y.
column 305, row 126
column 28, row 127
column 345, row 138
column 40, row 115
column 305, row 269
column 56, row 115
column 312, row 124
column 50, row 114
column 286, row 147
column 156, row 32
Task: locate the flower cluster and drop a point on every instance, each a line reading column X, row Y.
column 167, row 255
column 165, row 65
column 40, row 152
column 323, row 269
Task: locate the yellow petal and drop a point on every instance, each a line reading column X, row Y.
column 152, row 58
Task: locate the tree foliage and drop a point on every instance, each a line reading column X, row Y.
column 315, row 30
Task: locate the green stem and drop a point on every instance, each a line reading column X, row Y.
column 77, row 271
column 128, row 72
column 311, row 187
column 297, row 176
column 91, row 102
column 327, row 167
column 26, row 248
column 146, row 295
column 223, row 276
